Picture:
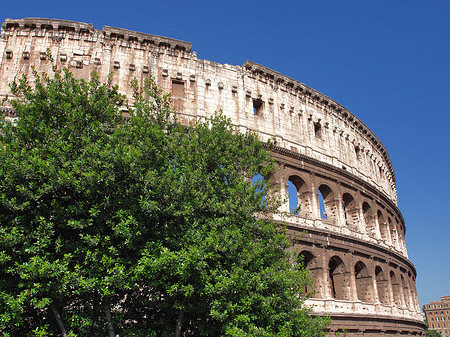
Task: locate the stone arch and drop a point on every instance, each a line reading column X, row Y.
column 369, row 219
column 310, row 262
column 395, row 288
column 364, row 283
column 382, row 224
column 327, row 202
column 382, row 285
column 339, row 279
column 350, row 210
column 259, row 183
column 302, row 196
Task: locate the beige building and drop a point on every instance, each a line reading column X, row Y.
column 438, row 316
column 344, row 180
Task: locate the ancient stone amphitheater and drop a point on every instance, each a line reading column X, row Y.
column 354, row 243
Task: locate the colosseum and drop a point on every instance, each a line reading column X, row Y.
column 354, row 241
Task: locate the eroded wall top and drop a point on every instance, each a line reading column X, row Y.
column 296, row 117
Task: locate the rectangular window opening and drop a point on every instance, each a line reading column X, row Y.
column 258, row 106
column 318, row 130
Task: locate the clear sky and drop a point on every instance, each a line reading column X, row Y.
column 388, row 62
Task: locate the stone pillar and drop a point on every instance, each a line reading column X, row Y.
column 325, row 276
column 362, row 220
column 389, row 237
column 106, row 67
column 307, row 205
column 375, row 297
column 353, row 289
column 402, row 295
column 340, row 208
column 315, row 208
column 280, row 188
column 416, row 299
column 284, row 193
column 390, row 290
column 377, row 227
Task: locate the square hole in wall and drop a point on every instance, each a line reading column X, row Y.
column 318, row 130
column 258, row 106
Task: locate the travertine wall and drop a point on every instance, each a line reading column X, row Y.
column 298, row 117
column 356, row 251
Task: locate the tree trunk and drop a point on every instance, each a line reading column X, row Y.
column 180, row 320
column 59, row 320
column 108, row 318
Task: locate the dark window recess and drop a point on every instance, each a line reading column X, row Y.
column 258, row 106
column 318, row 130
column 358, row 152
column 177, row 88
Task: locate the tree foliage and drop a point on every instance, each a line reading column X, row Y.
column 141, row 227
column 433, row 333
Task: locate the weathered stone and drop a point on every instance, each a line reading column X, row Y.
column 356, row 248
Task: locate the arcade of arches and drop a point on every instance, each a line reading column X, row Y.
column 341, row 206
column 338, row 276
column 352, row 239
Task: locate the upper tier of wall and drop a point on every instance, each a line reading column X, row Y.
column 298, row 118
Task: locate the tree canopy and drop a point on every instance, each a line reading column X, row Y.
column 137, row 227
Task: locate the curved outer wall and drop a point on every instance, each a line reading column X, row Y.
column 354, row 246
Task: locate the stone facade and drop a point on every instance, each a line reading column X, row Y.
column 355, row 248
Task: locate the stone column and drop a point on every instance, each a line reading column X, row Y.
column 280, row 188
column 377, row 227
column 362, row 220
column 284, row 193
column 340, row 208
column 315, row 208
column 307, row 204
column 353, row 289
column 389, row 237
column 390, row 290
column 375, row 297
column 402, row 296
column 325, row 276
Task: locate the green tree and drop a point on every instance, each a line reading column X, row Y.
column 141, row 227
column 433, row 333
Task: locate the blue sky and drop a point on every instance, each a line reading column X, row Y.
column 388, row 62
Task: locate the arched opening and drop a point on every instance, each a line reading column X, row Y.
column 382, row 286
column 364, row 283
column 294, row 206
column 309, row 261
column 395, row 289
column 350, row 210
column 259, row 185
column 323, row 214
column 339, row 280
column 327, row 203
column 369, row 219
column 383, row 226
column 299, row 200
